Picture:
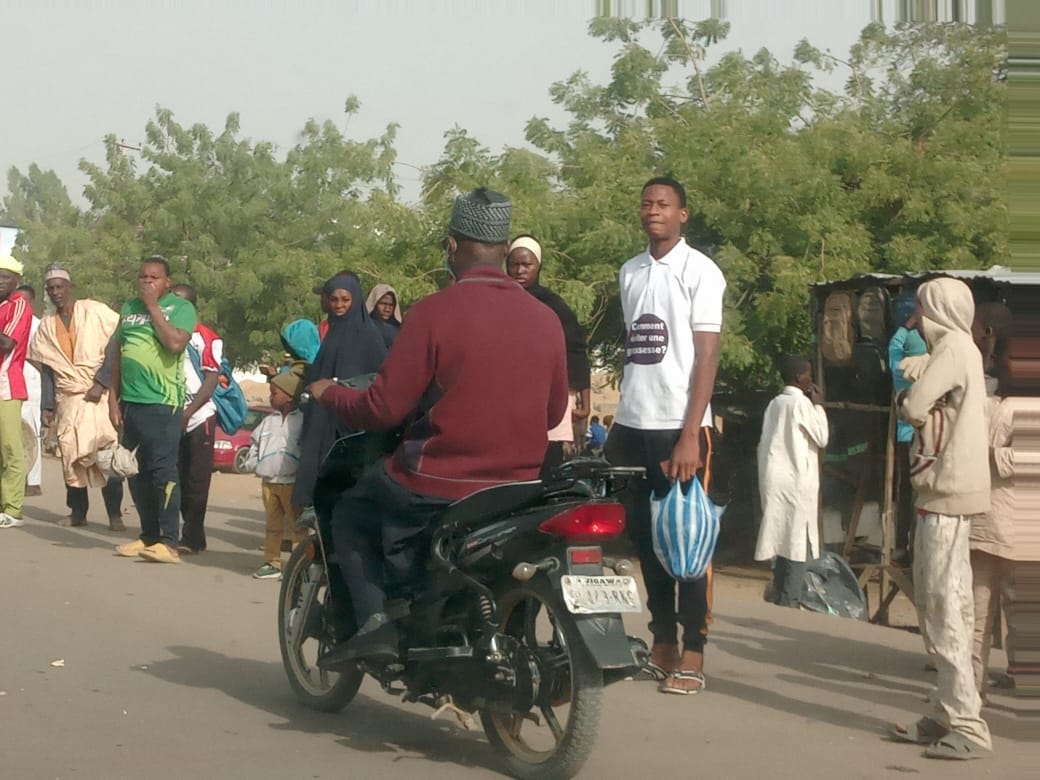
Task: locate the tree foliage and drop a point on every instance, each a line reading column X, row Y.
column 788, row 184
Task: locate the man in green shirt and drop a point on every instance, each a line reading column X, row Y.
column 146, row 405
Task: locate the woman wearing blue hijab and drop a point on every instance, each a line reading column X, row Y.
column 352, row 347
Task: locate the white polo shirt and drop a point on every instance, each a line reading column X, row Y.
column 665, row 302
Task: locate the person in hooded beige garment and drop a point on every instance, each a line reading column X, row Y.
column 384, row 306
column 951, row 477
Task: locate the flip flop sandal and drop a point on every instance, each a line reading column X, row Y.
column 654, row 672
column 956, row 747
column 925, row 732
column 684, row 674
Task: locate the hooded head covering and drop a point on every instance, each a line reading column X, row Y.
column 378, row 292
column 947, row 307
column 353, row 345
column 300, row 339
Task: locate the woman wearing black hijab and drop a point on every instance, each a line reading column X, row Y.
column 352, row 347
column 524, row 264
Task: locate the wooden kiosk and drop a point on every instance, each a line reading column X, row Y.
column 858, row 395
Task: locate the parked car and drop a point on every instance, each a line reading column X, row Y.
column 230, row 451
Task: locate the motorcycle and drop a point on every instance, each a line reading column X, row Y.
column 519, row 622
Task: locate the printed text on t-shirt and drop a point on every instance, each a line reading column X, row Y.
column 647, row 341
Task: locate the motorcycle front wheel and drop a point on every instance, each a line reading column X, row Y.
column 555, row 737
column 303, row 633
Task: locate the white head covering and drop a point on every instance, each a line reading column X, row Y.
column 57, row 273
column 530, row 244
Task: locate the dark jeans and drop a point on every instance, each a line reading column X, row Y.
column 381, row 534
column 195, row 468
column 788, row 581
column 632, row 447
column 155, row 430
column 78, row 500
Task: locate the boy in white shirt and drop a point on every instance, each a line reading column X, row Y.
column 794, row 431
column 274, row 455
column 671, row 296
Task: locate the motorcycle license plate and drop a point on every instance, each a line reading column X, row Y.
column 592, row 595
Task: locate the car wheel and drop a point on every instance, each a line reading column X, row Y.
column 241, row 454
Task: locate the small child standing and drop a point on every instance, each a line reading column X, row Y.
column 793, row 433
column 274, row 455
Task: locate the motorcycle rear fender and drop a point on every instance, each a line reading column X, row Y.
column 606, row 641
column 603, row 635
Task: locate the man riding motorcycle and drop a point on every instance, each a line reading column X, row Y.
column 488, row 364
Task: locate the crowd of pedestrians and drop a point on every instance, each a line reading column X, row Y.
column 498, row 357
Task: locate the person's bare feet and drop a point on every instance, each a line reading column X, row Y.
column 692, row 664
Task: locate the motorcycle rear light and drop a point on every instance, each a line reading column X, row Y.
column 583, row 555
column 586, row 521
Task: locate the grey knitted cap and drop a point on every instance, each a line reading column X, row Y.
column 482, row 215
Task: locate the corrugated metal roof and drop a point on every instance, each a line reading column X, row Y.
column 998, row 274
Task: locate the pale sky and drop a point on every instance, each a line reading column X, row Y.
column 75, row 71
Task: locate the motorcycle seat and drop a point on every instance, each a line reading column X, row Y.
column 486, row 504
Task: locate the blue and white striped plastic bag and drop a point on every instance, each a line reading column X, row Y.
column 685, row 528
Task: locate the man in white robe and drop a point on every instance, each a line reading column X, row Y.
column 70, row 345
column 793, row 433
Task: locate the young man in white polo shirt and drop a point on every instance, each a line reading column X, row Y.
column 671, row 296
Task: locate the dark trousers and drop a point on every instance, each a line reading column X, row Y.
column 904, row 498
column 632, row 447
column 155, row 430
column 78, row 500
column 195, row 468
column 381, row 533
column 788, row 581
column 553, row 458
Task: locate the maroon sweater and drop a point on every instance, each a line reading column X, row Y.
column 491, row 360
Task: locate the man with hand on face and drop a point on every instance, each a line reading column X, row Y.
column 70, row 345
column 147, row 404
column 671, row 296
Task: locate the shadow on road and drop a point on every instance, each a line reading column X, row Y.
column 93, row 536
column 365, row 725
column 848, row 668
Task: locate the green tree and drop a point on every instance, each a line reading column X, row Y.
column 788, row 184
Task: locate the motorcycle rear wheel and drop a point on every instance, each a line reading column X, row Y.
column 570, row 695
column 316, row 688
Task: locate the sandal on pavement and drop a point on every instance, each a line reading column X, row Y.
column 956, row 747
column 655, row 672
column 684, row 674
column 925, row 732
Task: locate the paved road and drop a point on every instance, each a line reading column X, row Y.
column 173, row 672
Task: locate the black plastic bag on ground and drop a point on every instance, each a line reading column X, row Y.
column 831, row 587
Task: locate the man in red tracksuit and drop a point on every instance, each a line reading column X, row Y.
column 488, row 363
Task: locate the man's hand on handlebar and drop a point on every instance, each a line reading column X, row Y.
column 316, row 389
